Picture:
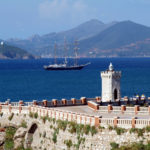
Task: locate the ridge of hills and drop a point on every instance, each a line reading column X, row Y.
column 113, row 40
column 43, row 45
column 96, row 39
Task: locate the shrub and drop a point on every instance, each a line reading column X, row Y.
column 22, row 148
column 72, row 127
column 86, row 129
column 114, row 145
column 10, row 131
column 54, row 137
column 23, row 124
column 138, row 131
column 79, row 128
column 9, row 143
column 44, row 134
column 68, row 143
column 51, row 126
column 119, row 131
column 133, row 130
column 54, row 120
column 147, row 129
column 93, row 130
column 40, row 134
column 1, row 114
column 135, row 146
column 36, row 115
column 100, row 127
column 11, row 117
column 62, row 124
column 44, row 119
column 31, row 115
column 110, row 127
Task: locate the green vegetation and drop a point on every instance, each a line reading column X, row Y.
column 79, row 141
column 62, row 124
column 11, row 117
column 133, row 146
column 9, row 143
column 68, row 143
column 7, row 51
column 22, row 148
column 23, row 124
column 54, row 137
column 110, row 127
column 147, row 129
column 44, row 119
column 31, row 115
column 119, row 131
column 44, row 134
column 114, row 145
column 139, row 132
column 1, row 114
column 36, row 115
column 93, row 130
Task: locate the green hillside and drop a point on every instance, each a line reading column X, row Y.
column 12, row 52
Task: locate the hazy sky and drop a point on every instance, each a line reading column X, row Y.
column 23, row 18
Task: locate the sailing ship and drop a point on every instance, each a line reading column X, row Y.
column 65, row 65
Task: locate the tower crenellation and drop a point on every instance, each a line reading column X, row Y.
column 110, row 84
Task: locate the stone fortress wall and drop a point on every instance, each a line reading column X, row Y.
column 94, row 119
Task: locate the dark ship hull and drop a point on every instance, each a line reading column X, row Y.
column 64, row 68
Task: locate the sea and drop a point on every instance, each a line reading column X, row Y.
column 27, row 80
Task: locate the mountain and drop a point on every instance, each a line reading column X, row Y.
column 96, row 39
column 43, row 45
column 11, row 52
column 113, row 40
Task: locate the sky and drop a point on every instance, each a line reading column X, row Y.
column 24, row 18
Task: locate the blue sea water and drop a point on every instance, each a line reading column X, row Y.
column 27, row 80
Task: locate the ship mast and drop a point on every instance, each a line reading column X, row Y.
column 76, row 53
column 65, row 50
column 55, row 57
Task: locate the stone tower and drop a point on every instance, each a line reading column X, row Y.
column 110, row 84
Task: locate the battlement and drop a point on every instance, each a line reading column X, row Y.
column 111, row 72
column 53, row 102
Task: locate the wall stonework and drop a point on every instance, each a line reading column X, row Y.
column 42, row 138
